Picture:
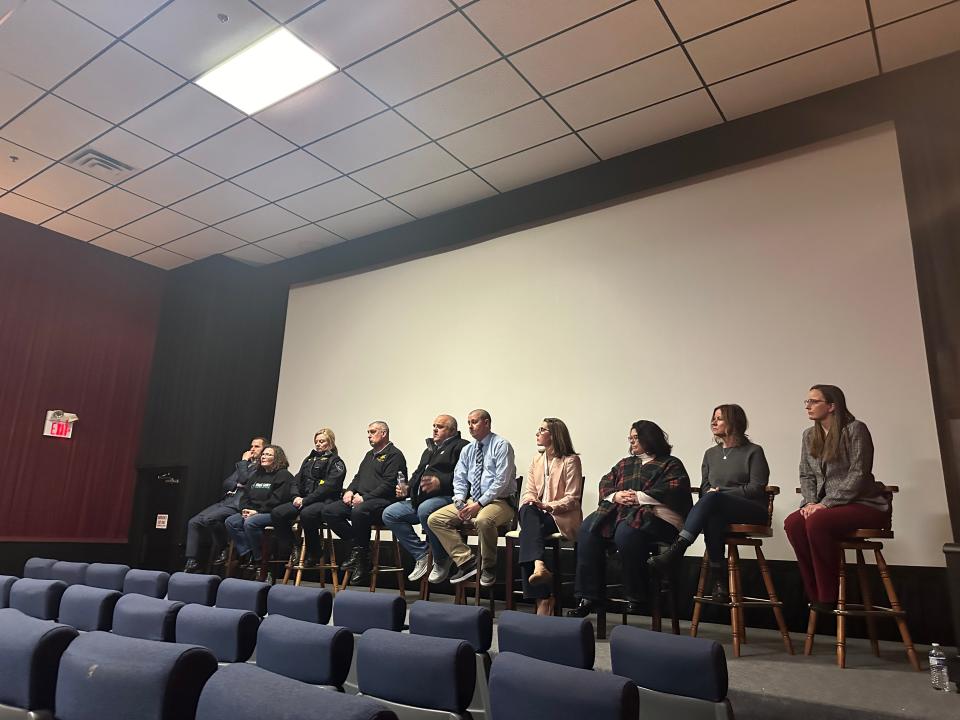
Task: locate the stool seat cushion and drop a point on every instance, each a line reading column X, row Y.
column 459, row 622
column 562, row 640
column 30, row 652
column 304, row 651
column 359, row 611
column 88, row 608
column 300, row 603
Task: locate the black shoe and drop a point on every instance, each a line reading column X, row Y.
column 360, row 573
column 669, row 557
column 294, row 556
column 582, row 610
column 467, row 570
column 221, row 559
column 351, row 562
column 192, row 566
column 635, row 607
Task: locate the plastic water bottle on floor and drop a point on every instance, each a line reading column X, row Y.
column 938, row 669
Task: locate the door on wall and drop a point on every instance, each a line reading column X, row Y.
column 157, row 523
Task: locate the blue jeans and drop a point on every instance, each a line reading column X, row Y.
column 714, row 512
column 401, row 517
column 247, row 533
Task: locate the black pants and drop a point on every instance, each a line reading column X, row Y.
column 714, row 512
column 282, row 517
column 634, row 546
column 211, row 520
column 535, row 525
column 311, row 520
column 354, row 523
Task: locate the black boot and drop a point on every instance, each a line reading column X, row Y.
column 294, row 556
column 671, row 556
column 192, row 566
column 718, row 588
column 361, row 569
column 221, row 558
column 583, row 609
column 351, row 562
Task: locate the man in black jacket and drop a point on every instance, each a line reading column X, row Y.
column 371, row 491
column 431, row 488
column 212, row 518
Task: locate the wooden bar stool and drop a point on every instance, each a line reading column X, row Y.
column 743, row 536
column 328, row 561
column 659, row 586
column 860, row 540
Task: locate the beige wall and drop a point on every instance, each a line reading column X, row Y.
column 748, row 288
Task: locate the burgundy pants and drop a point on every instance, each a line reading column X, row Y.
column 815, row 540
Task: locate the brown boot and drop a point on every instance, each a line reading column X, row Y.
column 541, row 575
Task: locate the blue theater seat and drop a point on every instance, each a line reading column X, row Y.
column 108, row 576
column 245, row 692
column 562, row 640
column 72, row 573
column 308, row 652
column 360, row 611
column 30, row 652
column 460, row 622
column 188, row 588
column 152, row 583
column 88, row 608
column 6, row 582
column 105, row 676
column 37, row 598
column 230, row 634
column 147, row 618
column 522, row 688
column 243, row 595
column 38, row 568
column 300, row 603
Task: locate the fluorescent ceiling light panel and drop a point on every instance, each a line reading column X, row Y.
column 271, row 69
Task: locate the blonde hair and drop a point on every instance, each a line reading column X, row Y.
column 328, row 433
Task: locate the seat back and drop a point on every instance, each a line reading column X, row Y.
column 562, row 640
column 152, row 583
column 361, row 611
column 243, row 595
column 470, row 623
column 246, row 692
column 146, row 618
column 107, row 575
column 305, row 651
column 38, row 568
column 445, row 670
column 37, row 598
column 188, row 588
column 30, row 652
column 522, row 688
column 309, row 604
column 72, row 573
column 103, row 675
column 6, row 583
column 88, row 608
column 230, row 634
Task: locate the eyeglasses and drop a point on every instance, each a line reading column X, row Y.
column 811, row 403
column 632, row 437
column 541, row 431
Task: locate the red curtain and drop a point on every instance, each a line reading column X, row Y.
column 77, row 330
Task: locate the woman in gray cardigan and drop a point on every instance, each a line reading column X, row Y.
column 839, row 492
column 734, row 476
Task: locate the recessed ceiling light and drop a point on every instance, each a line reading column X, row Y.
column 271, row 69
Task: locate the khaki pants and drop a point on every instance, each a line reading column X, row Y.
column 493, row 516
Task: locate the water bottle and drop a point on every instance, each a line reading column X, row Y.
column 402, row 483
column 938, row 669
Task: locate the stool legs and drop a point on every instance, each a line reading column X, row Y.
column 842, row 613
column 867, row 602
column 509, row 570
column 772, row 594
column 899, row 615
column 701, row 586
column 811, row 631
column 736, row 616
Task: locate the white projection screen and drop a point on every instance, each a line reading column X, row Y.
column 747, row 286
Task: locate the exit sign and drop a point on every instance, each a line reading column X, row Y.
column 60, row 429
column 59, row 424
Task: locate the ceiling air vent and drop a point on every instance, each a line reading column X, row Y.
column 97, row 163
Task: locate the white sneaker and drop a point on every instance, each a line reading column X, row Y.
column 440, row 571
column 420, row 569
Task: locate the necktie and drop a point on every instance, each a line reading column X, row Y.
column 478, row 470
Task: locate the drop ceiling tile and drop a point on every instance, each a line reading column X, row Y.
column 775, row 35
column 511, row 25
column 624, row 35
column 652, row 125
column 286, row 175
column 170, row 181
column 302, row 240
column 344, row 31
column 238, row 148
column 219, row 203
column 253, row 255
column 161, row 227
column 414, row 168
column 75, row 227
column 809, row 74
column 16, row 94
column 43, row 42
column 114, row 17
column 183, row 118
column 61, row 187
column 163, row 259
column 516, row 130
column 436, row 54
column 478, row 96
column 553, row 158
column 123, row 244
column 118, row 83
column 695, row 17
column 114, row 208
column 121, row 146
column 920, row 38
column 886, row 11
column 334, row 197
column 204, row 243
column 323, row 108
column 14, row 172
column 368, row 219
column 649, row 81
column 451, row 192
column 188, row 38
column 53, row 127
column 263, row 222
column 25, row 208
column 368, row 142
column 283, row 10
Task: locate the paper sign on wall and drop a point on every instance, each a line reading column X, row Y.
column 162, row 521
column 59, row 424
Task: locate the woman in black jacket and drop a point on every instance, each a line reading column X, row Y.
column 266, row 488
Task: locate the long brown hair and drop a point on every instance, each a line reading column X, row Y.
column 560, row 436
column 280, row 461
column 826, row 445
column 736, row 421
